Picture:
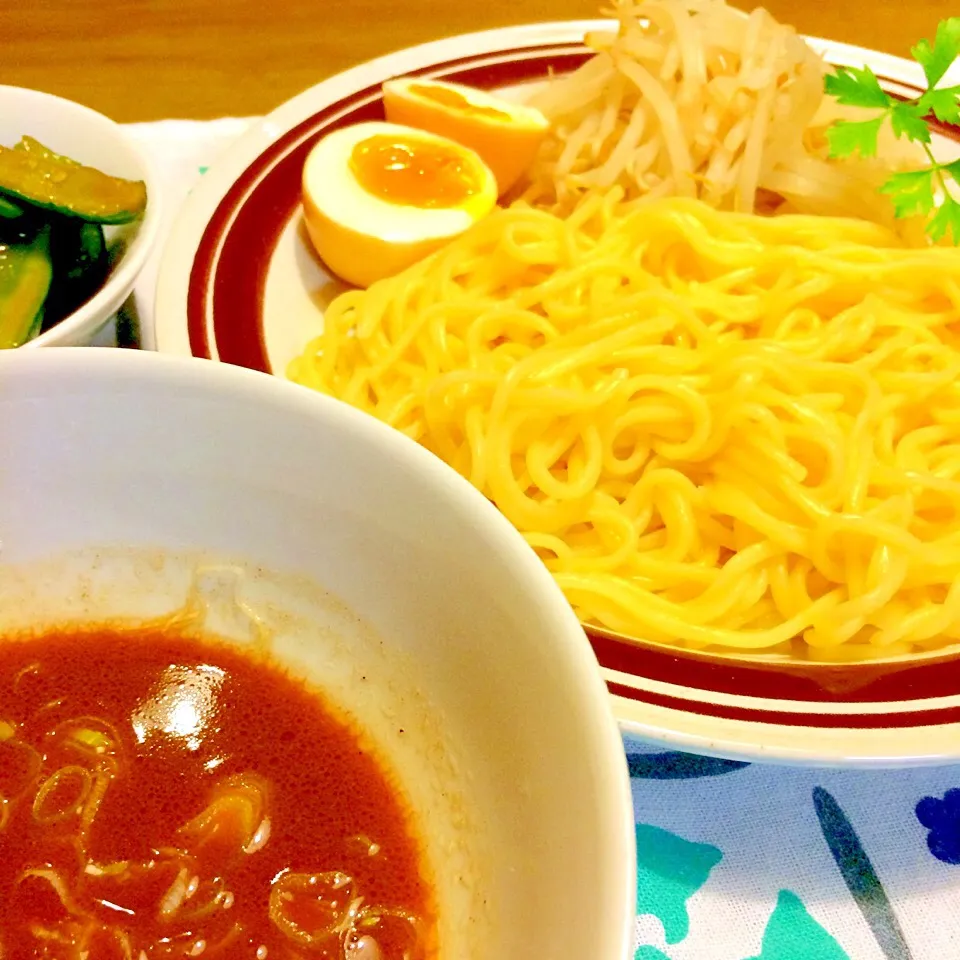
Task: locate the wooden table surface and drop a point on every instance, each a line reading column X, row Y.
column 147, row 59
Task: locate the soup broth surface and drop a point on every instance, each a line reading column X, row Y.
column 164, row 796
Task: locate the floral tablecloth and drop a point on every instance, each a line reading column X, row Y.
column 735, row 861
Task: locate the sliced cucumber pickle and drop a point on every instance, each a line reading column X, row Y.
column 31, row 173
column 30, row 145
column 25, row 274
column 79, row 255
column 8, row 210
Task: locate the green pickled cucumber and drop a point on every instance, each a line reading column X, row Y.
column 35, row 147
column 8, row 210
column 79, row 255
column 26, row 271
column 31, row 173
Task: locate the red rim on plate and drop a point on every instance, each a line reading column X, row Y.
column 227, row 282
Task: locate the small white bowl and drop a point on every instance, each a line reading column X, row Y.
column 85, row 135
column 479, row 686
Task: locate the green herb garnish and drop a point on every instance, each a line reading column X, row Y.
column 914, row 192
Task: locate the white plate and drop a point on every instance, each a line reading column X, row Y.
column 240, row 284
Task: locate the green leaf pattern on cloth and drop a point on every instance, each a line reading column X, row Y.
column 669, row 871
column 792, row 934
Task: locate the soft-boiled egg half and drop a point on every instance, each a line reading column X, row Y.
column 506, row 135
column 377, row 197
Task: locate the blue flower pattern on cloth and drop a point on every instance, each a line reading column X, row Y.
column 679, row 766
column 942, row 819
column 859, row 875
column 792, row 934
column 669, row 871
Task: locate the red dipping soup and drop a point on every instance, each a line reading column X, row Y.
column 163, row 796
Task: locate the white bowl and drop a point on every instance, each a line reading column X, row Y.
column 85, row 135
column 124, row 472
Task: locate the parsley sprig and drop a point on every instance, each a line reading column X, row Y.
column 915, row 192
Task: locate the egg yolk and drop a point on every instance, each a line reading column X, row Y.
column 414, row 173
column 456, row 101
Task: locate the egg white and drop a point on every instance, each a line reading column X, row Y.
column 519, row 113
column 335, row 191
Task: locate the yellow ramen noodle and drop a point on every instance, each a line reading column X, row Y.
column 717, row 430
